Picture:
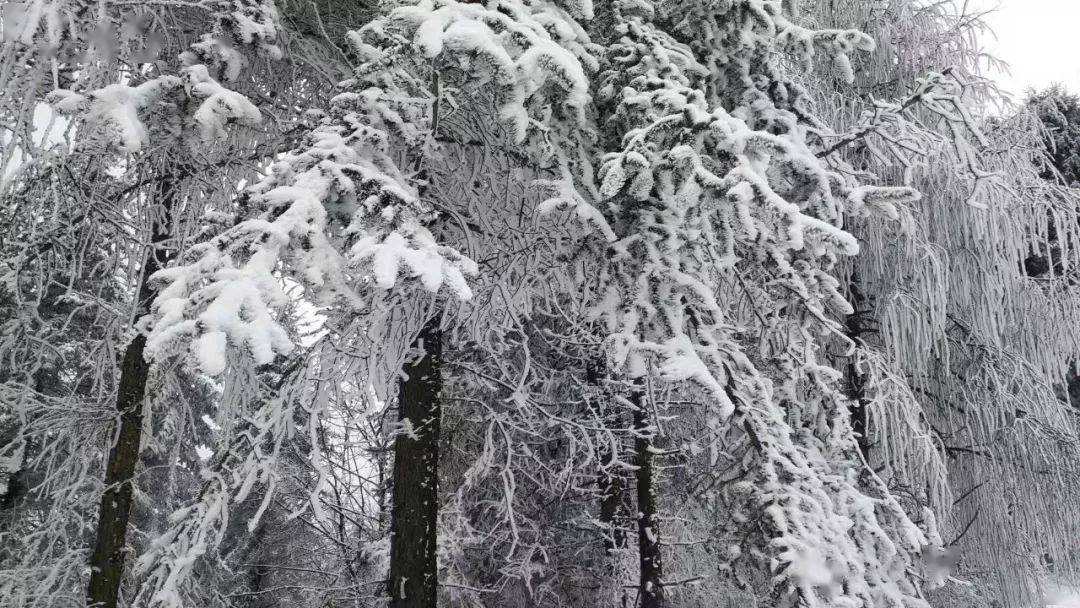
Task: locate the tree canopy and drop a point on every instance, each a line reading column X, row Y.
column 417, row 303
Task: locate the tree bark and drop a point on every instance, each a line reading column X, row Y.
column 114, row 512
column 856, row 327
column 9, row 500
column 857, row 385
column 414, row 580
column 16, row 489
column 16, row 483
column 650, row 584
column 610, row 485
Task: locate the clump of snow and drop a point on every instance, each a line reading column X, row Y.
column 220, row 105
column 112, row 113
column 509, row 41
column 251, row 24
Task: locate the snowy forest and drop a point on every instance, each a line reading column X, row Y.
column 533, row 304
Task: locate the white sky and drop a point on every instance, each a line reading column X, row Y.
column 1040, row 39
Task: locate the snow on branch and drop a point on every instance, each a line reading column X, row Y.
column 715, row 176
column 114, row 113
column 339, row 212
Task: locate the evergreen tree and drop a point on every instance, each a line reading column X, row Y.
column 659, row 303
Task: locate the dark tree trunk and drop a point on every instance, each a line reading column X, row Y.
column 856, row 328
column 650, row 584
column 413, row 580
column 1072, row 387
column 16, row 489
column 16, row 483
column 9, row 500
column 107, row 560
column 610, row 484
column 857, row 385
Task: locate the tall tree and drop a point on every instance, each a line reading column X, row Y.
column 956, row 315
column 136, row 145
column 346, row 222
column 110, row 551
column 251, row 24
column 651, row 580
column 414, row 575
column 719, row 276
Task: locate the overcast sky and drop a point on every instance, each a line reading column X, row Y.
column 1040, row 39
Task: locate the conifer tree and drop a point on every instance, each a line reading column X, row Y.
column 663, row 303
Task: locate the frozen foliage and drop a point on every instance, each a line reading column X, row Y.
column 336, row 208
column 701, row 303
column 80, row 298
column 247, row 458
column 723, row 188
column 240, row 24
column 114, row 113
column 340, row 215
column 513, row 46
column 219, row 106
column 953, row 304
column 114, row 110
column 341, row 218
column 23, row 20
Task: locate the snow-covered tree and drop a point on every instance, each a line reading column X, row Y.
column 721, row 285
column 963, row 351
column 91, row 218
column 527, row 302
column 360, row 207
